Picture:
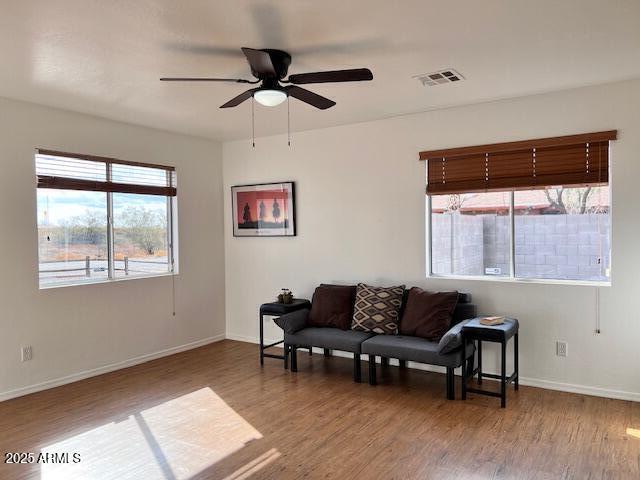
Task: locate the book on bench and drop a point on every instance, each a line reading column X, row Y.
column 492, row 320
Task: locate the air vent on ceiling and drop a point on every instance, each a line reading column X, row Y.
column 440, row 77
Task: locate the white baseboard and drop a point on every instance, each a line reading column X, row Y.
column 18, row 392
column 243, row 338
column 530, row 382
column 582, row 389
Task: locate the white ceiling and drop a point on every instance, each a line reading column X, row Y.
column 105, row 57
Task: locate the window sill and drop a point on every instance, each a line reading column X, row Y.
column 101, row 281
column 535, row 281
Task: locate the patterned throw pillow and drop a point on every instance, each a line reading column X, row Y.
column 377, row 309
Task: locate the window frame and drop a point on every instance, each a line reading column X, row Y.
column 172, row 232
column 511, row 278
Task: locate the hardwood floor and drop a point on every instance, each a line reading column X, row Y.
column 213, row 413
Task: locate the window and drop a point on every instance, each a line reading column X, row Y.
column 526, row 210
column 470, row 234
column 102, row 219
column 140, row 234
column 563, row 233
column 72, row 236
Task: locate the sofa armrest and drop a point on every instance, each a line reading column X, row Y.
column 463, row 311
column 294, row 321
column 452, row 340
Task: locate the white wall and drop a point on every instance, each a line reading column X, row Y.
column 361, row 217
column 76, row 331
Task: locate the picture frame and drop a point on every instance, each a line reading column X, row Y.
column 264, row 210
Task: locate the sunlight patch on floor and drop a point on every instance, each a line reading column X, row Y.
column 171, row 441
column 633, row 432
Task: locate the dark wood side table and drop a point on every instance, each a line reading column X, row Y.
column 276, row 309
column 475, row 331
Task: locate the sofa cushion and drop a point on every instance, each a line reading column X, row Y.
column 413, row 349
column 377, row 309
column 428, row 314
column 333, row 338
column 332, row 306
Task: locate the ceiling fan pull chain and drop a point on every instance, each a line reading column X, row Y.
column 288, row 123
column 253, row 125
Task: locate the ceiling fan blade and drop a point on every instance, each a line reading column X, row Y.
column 204, row 79
column 260, row 62
column 353, row 75
column 311, row 98
column 234, row 102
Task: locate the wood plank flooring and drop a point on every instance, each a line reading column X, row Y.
column 214, row 413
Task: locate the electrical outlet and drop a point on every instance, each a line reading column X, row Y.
column 27, row 353
column 561, row 349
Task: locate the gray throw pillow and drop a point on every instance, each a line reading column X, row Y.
column 294, row 321
column 452, row 339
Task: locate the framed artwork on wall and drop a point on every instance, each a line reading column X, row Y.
column 264, row 210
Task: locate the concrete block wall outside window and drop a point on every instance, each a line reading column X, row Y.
column 471, row 236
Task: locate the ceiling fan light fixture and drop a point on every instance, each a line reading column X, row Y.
column 269, row 97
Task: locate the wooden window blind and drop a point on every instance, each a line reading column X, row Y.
column 574, row 160
column 71, row 171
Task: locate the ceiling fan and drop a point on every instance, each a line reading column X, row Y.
column 270, row 67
